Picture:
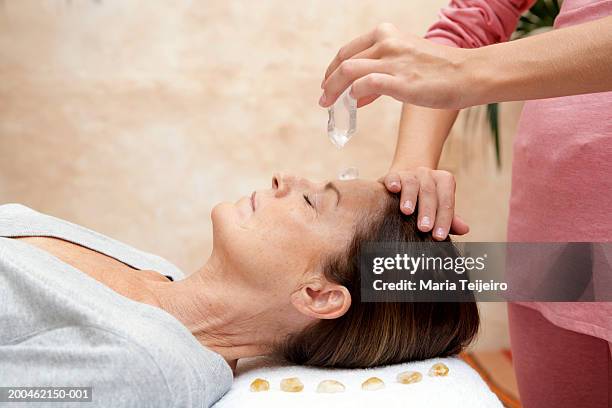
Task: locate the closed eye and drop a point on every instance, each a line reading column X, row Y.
column 308, row 200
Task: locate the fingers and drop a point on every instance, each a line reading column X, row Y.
column 408, row 184
column 433, row 193
column 371, row 86
column 427, row 200
column 347, row 72
column 445, row 187
column 392, row 182
column 367, row 100
column 458, row 226
column 410, row 192
column 357, row 45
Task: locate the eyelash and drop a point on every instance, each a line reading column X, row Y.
column 308, row 200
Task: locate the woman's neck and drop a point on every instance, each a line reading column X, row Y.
column 223, row 315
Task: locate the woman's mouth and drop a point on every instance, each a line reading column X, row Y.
column 253, row 202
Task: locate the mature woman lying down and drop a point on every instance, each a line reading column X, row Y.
column 80, row 309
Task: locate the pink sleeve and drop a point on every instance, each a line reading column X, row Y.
column 476, row 23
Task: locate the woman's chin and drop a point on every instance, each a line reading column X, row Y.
column 227, row 214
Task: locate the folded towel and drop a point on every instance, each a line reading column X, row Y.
column 463, row 387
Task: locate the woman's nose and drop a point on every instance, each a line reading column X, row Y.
column 282, row 184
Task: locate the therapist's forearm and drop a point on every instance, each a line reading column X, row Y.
column 568, row 61
column 421, row 137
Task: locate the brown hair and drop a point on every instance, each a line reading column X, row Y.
column 372, row 334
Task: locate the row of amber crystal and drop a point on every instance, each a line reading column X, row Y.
column 294, row 384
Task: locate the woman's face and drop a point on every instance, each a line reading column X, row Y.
column 276, row 237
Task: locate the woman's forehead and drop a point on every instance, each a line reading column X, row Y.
column 362, row 193
column 360, row 185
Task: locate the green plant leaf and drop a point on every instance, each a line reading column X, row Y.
column 493, row 119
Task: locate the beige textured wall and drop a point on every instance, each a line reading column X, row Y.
column 134, row 118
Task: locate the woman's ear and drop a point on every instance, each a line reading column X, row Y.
column 322, row 300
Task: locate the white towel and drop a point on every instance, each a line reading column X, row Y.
column 463, row 387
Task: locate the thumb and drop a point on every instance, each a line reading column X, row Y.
column 458, row 226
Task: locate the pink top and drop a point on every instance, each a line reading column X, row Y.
column 562, row 165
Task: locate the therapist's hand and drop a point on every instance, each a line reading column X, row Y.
column 405, row 67
column 433, row 191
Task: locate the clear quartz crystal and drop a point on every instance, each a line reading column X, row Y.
column 350, row 173
column 342, row 121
